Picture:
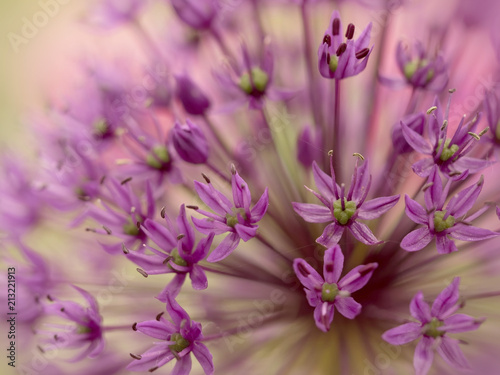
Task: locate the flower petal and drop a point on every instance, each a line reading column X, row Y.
column 156, row 356
column 225, row 248
column 424, row 356
column 473, row 165
column 198, row 278
column 444, row 245
column 417, row 239
column 246, row 232
column 207, row 226
column 420, row 309
column 357, row 278
column 213, row 198
column 348, row 307
column 241, row 193
column 376, row 207
column 423, row 167
column 176, row 312
column 307, row 275
column 446, row 299
column 204, row 356
column 458, row 323
column 183, row 366
column 363, row 233
column 331, row 235
column 333, row 264
column 156, row 329
column 451, row 353
column 415, row 211
column 403, row 334
column 313, row 213
column 323, row 316
column 324, row 182
column 415, row 140
column 259, row 210
column 466, row 232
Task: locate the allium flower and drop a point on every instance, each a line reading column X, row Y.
column 492, row 107
column 433, row 326
column 180, row 338
column 328, row 292
column 447, row 153
column 444, row 223
column 176, row 254
column 190, row 142
column 87, row 330
column 338, row 59
column 237, row 218
column 344, row 211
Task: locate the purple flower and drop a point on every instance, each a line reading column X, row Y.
column 492, row 108
column 338, row 59
column 88, row 329
column 344, row 211
column 444, row 223
column 194, row 101
column 190, row 142
column 237, row 218
column 175, row 254
column 325, row 293
column 433, row 327
column 309, row 145
column 199, row 14
column 447, row 153
column 111, row 13
column 179, row 338
column 121, row 215
column 415, row 122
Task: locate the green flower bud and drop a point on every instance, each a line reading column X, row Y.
column 260, row 80
column 343, row 216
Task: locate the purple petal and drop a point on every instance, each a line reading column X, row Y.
column 159, row 235
column 463, row 201
column 376, row 207
column 444, row 245
column 202, row 249
column 307, row 275
column 186, row 229
column 331, row 235
column 423, row 167
column 323, row 316
column 465, row 232
column 363, row 233
column 89, row 298
column 424, row 356
column 155, row 329
column 313, row 213
column 324, row 182
column 204, row 356
column 152, row 264
column 473, row 165
column 362, row 185
column 415, row 140
column 157, row 356
column 417, row 239
column 207, row 226
column 403, row 334
column 246, row 232
column 259, row 210
column 415, row 211
column 176, row 312
column 333, row 264
column 434, row 193
column 241, row 193
column 458, row 323
column 357, row 278
column 348, row 307
column 420, row 309
column 446, row 299
column 364, row 38
column 213, row 198
column 183, row 366
column 449, row 350
column 173, row 288
column 225, row 248
column 198, row 278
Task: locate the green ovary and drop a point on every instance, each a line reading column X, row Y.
column 260, row 79
column 343, row 215
column 448, row 151
column 329, row 292
column 131, row 229
column 180, row 343
column 82, row 329
column 440, row 224
column 158, row 157
column 333, row 64
column 411, row 68
column 177, row 258
column 431, row 328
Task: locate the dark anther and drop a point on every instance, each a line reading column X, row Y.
column 62, row 309
column 153, row 369
column 167, row 259
column 126, row 180
column 41, row 349
column 108, row 231
column 303, row 270
column 336, row 27
column 328, row 40
column 206, row 178
column 49, row 298
column 363, row 53
column 180, row 237
column 233, row 169
column 159, row 316
column 89, row 230
column 138, row 225
column 162, row 212
column 103, row 178
column 134, row 326
column 341, row 49
column 142, row 272
column 350, row 31
column 135, row 356
column 124, row 249
column 328, row 58
column 192, row 207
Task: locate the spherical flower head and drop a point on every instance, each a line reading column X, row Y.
column 237, row 218
column 190, row 142
column 344, row 210
column 444, row 223
column 433, row 326
column 180, row 337
column 328, row 292
column 87, row 330
column 338, row 59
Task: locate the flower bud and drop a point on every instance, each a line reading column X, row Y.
column 308, row 147
column 190, row 142
column 194, row 101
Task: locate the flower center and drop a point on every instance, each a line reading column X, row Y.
column 411, row 68
column 448, row 151
column 180, row 343
column 158, row 158
column 83, row 329
column 431, row 328
column 260, row 79
column 177, row 259
column 333, row 63
column 232, row 220
column 329, row 292
column 131, row 228
column 343, row 210
column 440, row 224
